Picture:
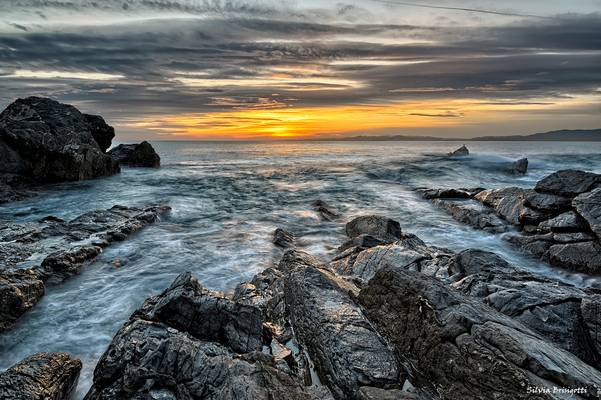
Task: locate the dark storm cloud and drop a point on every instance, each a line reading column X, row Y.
column 160, row 59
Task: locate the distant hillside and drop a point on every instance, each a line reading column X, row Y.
column 564, row 135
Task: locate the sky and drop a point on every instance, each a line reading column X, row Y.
column 261, row 69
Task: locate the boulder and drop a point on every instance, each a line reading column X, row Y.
column 510, row 204
column 374, row 225
column 546, row 202
column 19, row 291
column 465, row 349
column 582, row 256
column 431, row 194
column 566, row 222
column 41, row 376
column 588, row 205
column 348, row 353
column 520, row 166
column 568, row 183
column 460, row 152
column 50, row 141
column 136, row 155
column 283, row 238
column 325, row 211
column 474, row 214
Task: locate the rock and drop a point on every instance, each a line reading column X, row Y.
column 373, row 225
column 591, row 314
column 546, row 202
column 520, row 166
column 588, row 206
column 266, row 291
column 50, row 251
column 361, row 241
column 474, row 214
column 347, row 352
column 460, row 152
column 509, row 204
column 430, row 194
column 566, row 222
column 41, row 376
column 136, row 155
column 582, row 257
column 19, row 291
column 283, row 238
column 188, row 307
column 50, row 141
column 102, row 132
column 190, row 343
column 326, row 212
column 568, row 183
column 464, row 348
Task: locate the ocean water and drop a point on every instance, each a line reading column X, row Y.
column 227, row 199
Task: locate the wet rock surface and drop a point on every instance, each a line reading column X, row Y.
column 460, row 152
column 46, row 140
column 559, row 220
column 49, row 251
column 136, row 155
column 374, row 225
column 283, row 238
column 325, row 211
column 41, row 376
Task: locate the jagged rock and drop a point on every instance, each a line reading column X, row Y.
column 51, row 252
column 464, row 348
column 266, row 291
column 283, row 238
column 588, row 206
column 520, row 166
column 325, row 211
column 102, row 132
column 188, row 307
column 136, row 155
column 41, row 376
column 591, row 313
column 581, row 257
column 374, row 225
column 566, row 222
column 50, row 141
column 460, row 152
column 362, row 241
column 190, row 343
column 568, row 183
column 348, row 353
column 509, row 204
column 473, row 214
column 19, row 291
column 431, row 194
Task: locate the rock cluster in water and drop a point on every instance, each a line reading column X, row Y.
column 559, row 220
column 44, row 141
column 34, row 254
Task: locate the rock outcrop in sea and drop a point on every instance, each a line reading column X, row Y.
column 559, row 220
column 34, row 254
column 460, row 152
column 136, row 155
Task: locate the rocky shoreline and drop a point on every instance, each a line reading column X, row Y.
column 387, row 316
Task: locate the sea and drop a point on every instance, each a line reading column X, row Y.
column 227, row 198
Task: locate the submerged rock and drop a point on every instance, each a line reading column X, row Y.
column 136, row 155
column 460, row 152
column 41, row 376
column 50, row 141
column 325, row 211
column 464, row 348
column 283, row 238
column 52, row 250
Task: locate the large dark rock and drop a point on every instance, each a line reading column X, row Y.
column 136, row 155
column 520, row 166
column 464, row 348
column 51, row 376
column 52, row 250
column 50, row 141
column 474, row 214
column 510, row 204
column 374, row 225
column 102, row 132
column 568, row 183
column 581, row 256
column 325, row 211
column 588, row 205
column 283, row 238
column 347, row 351
column 190, row 343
